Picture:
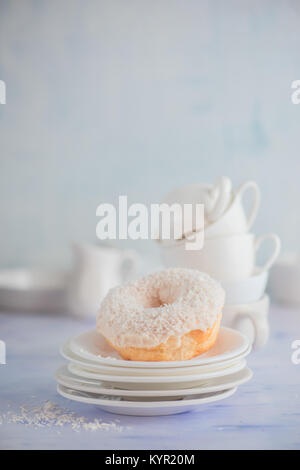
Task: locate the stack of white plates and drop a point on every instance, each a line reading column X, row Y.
column 96, row 374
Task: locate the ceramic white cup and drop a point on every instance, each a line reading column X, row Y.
column 234, row 220
column 285, row 279
column 216, row 199
column 227, row 258
column 251, row 319
column 246, row 290
column 223, row 208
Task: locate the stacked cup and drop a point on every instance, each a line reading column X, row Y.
column 229, row 253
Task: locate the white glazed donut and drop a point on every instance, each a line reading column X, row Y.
column 169, row 315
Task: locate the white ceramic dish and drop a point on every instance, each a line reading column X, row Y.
column 215, row 199
column 245, row 290
column 64, row 377
column 228, row 258
column 154, row 408
column 224, row 208
column 234, row 220
column 130, row 381
column 93, row 347
column 32, row 290
column 96, row 269
column 114, row 370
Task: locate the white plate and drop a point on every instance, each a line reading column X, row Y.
column 93, row 347
column 31, row 290
column 113, row 370
column 64, row 377
column 131, row 381
column 119, row 406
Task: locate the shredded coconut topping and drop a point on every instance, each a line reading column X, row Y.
column 172, row 302
column 49, row 414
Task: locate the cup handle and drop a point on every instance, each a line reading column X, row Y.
column 132, row 259
column 256, row 200
column 277, row 244
column 225, row 189
column 257, row 329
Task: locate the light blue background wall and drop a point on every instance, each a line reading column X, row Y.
column 135, row 97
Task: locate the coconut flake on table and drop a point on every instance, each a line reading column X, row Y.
column 50, row 414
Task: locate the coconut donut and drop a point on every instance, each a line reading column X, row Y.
column 169, row 315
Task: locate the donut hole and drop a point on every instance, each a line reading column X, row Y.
column 153, row 302
column 168, row 294
column 159, row 297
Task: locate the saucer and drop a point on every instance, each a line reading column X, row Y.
column 132, row 381
column 144, row 408
column 115, row 370
column 67, row 379
column 92, row 346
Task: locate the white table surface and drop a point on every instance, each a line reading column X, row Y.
column 263, row 414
